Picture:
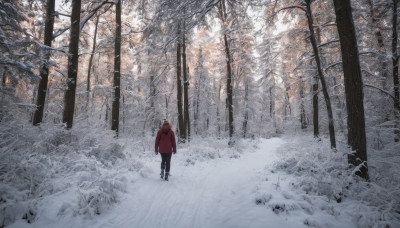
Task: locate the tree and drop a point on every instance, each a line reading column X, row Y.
column 353, row 86
column 395, row 60
column 246, row 111
column 308, row 12
column 321, row 74
column 69, row 97
column 303, row 119
column 186, row 120
column 181, row 126
column 229, row 91
column 44, row 72
column 117, row 70
column 91, row 60
column 314, row 82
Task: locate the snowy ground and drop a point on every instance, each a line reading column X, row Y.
column 84, row 177
column 230, row 191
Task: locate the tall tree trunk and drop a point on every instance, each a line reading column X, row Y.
column 376, row 30
column 179, row 90
column 218, row 111
column 246, row 111
column 321, row 75
column 69, row 97
column 229, row 86
column 287, row 102
column 314, row 82
column 117, row 70
column 229, row 90
column 44, row 72
column 353, row 86
column 166, row 107
column 395, row 59
column 123, row 114
column 196, row 110
column 272, row 103
column 91, row 62
column 3, row 87
column 185, row 88
column 107, row 111
column 152, row 108
column 303, row 120
column 4, row 78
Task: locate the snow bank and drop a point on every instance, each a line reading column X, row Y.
column 38, row 164
column 323, row 179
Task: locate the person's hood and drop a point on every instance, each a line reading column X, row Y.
column 166, row 128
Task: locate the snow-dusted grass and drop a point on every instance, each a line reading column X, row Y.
column 323, row 179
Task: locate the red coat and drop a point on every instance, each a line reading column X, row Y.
column 165, row 140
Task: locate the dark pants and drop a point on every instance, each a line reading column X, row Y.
column 166, row 161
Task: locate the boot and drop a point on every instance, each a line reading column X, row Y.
column 166, row 176
column 162, row 174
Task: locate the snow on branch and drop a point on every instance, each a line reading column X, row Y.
column 328, row 23
column 380, row 89
column 285, row 8
column 62, row 73
column 329, row 42
column 332, row 65
column 18, row 65
column 375, row 53
column 84, row 19
column 42, row 46
column 180, row 17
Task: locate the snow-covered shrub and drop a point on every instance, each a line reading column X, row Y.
column 324, row 173
column 39, row 162
column 109, row 154
column 99, row 196
column 203, row 149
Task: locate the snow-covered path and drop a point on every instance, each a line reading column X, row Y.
column 214, row 194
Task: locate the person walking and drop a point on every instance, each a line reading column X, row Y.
column 165, row 145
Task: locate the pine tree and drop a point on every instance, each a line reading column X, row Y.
column 69, row 97
column 44, row 72
column 353, row 86
column 117, row 70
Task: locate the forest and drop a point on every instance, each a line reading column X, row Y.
column 300, row 96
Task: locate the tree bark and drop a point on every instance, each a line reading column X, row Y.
column 246, row 111
column 3, row 85
column 152, row 98
column 229, row 93
column 196, row 103
column 117, row 70
column 91, row 62
column 185, row 89
column 44, row 72
column 287, row 103
column 272, row 103
column 376, row 30
column 315, row 97
column 69, row 97
column 321, row 75
column 179, row 90
column 303, row 120
column 353, row 86
column 218, row 111
column 395, row 60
